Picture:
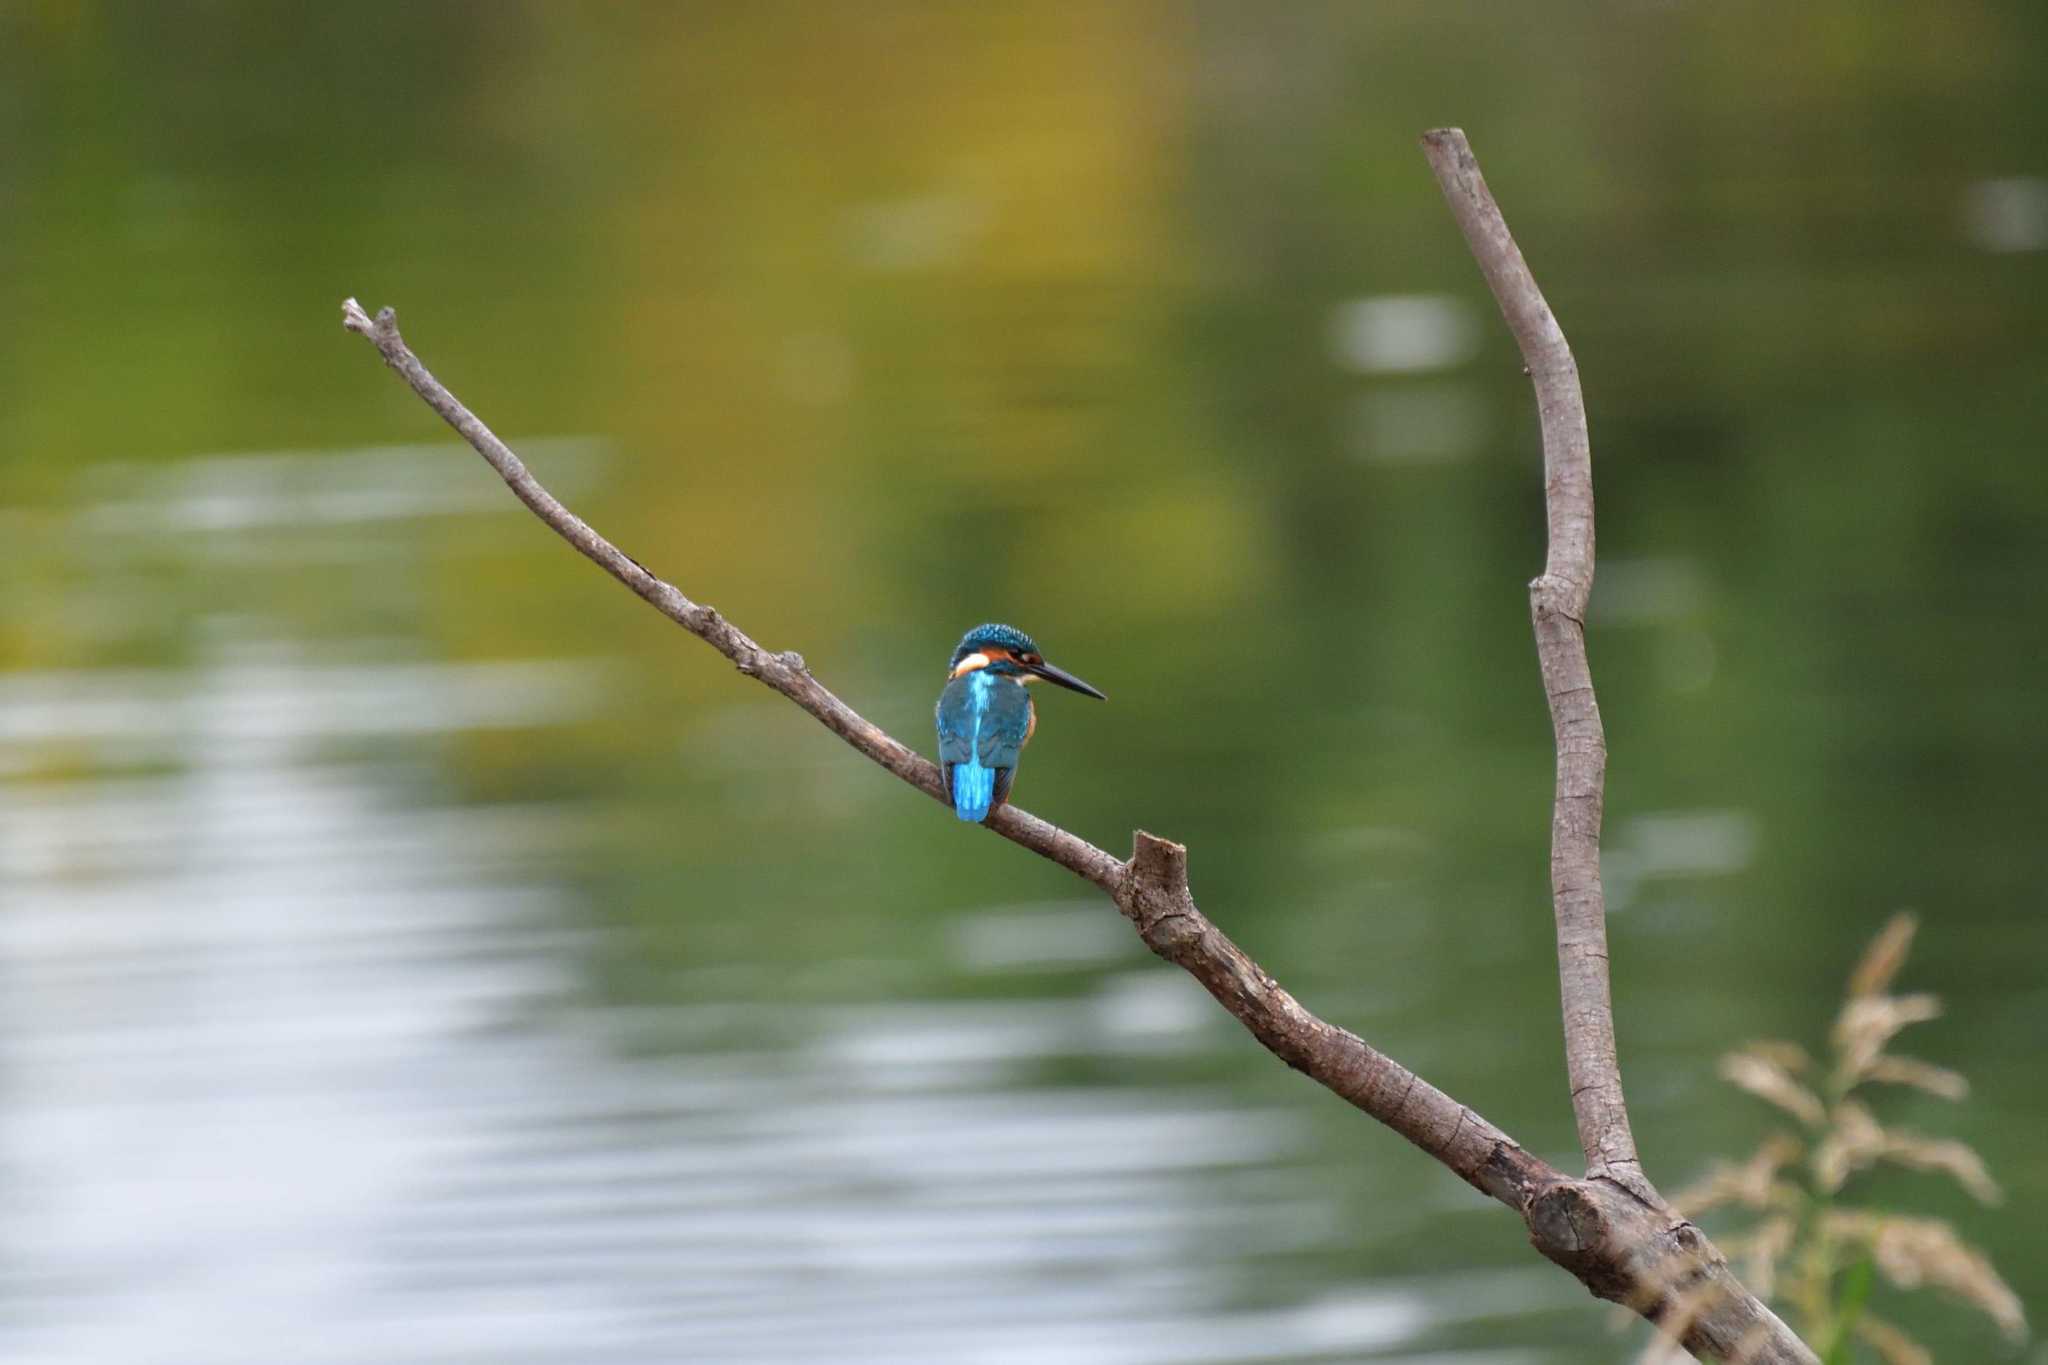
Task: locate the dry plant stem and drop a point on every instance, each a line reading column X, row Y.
column 1620, row 1247
column 1557, row 601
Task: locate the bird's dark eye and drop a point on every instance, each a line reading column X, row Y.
column 1029, row 659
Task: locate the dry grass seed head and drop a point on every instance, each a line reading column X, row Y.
column 1764, row 1078
column 1945, row 1156
column 1938, row 1081
column 1753, row 1184
column 1893, row 1346
column 1911, row 1252
column 1867, row 1023
column 1885, row 955
column 1661, row 1281
column 1926, row 1251
column 1767, row 1246
column 1857, row 1141
column 1680, row 1313
column 1853, row 1142
column 1790, row 1056
column 1752, row 1342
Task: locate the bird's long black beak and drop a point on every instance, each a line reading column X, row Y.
column 1066, row 680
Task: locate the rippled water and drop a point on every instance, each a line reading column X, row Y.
column 300, row 1065
column 294, row 1072
column 277, row 1091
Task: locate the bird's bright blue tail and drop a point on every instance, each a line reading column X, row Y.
column 974, row 790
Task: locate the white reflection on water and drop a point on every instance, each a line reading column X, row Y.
column 298, row 489
column 292, row 1075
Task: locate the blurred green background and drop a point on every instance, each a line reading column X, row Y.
column 419, row 951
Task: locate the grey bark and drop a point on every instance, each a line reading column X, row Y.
column 1557, row 603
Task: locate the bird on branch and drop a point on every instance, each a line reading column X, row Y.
column 985, row 714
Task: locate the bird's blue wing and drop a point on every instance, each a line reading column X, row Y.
column 1006, row 725
column 983, row 721
column 956, row 716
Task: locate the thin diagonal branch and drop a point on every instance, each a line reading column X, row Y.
column 1151, row 889
column 1557, row 602
column 785, row 672
column 1619, row 1246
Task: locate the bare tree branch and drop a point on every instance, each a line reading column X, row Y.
column 1151, row 889
column 1615, row 1235
column 1557, row 601
column 785, row 672
column 1672, row 1273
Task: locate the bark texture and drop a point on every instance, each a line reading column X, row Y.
column 1557, row 603
column 1609, row 1228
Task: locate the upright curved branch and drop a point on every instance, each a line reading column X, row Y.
column 1557, row 601
column 1622, row 1243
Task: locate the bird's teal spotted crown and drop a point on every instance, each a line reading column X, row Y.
column 985, row 714
column 993, row 636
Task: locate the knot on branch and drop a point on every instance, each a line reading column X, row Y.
column 383, row 326
column 1154, row 895
column 1450, row 145
column 1568, row 1225
column 716, row 631
column 1637, row 1254
column 1554, row 595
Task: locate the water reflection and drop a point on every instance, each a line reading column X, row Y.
column 276, row 1092
column 299, row 1068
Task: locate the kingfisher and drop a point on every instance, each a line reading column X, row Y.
column 986, row 717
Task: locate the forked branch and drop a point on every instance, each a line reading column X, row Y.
column 1610, row 1229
